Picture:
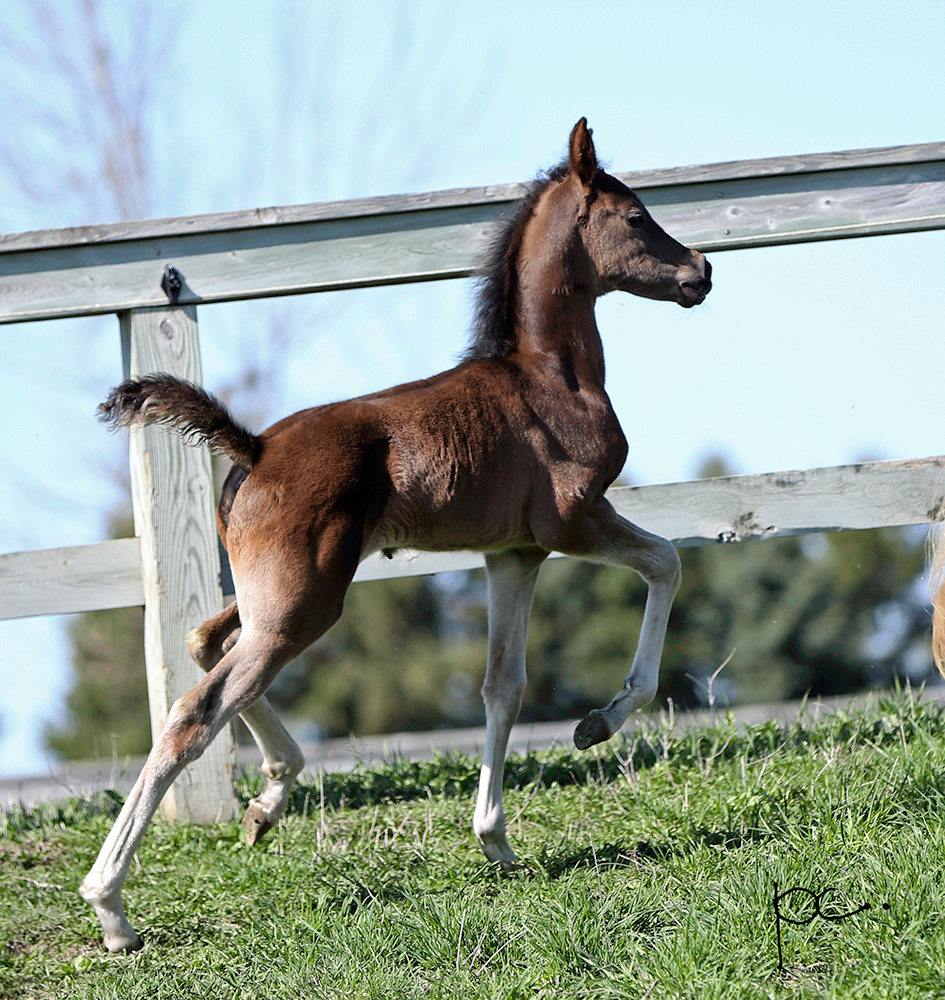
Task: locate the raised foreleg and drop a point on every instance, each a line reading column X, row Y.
column 511, row 577
column 606, row 537
column 282, row 758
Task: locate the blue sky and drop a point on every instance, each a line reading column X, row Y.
column 802, row 356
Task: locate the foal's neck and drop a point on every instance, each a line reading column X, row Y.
column 558, row 321
column 557, row 289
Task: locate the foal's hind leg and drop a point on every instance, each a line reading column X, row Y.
column 275, row 628
column 282, row 758
column 194, row 719
column 606, row 537
column 511, row 577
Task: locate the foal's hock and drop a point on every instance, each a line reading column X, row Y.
column 509, row 454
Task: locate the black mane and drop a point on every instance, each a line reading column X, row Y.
column 493, row 334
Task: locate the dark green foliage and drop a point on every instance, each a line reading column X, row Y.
column 389, row 664
column 108, row 703
column 107, row 706
column 806, row 611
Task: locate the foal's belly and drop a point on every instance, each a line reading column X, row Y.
column 490, row 517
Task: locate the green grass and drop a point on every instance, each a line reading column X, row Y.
column 649, row 872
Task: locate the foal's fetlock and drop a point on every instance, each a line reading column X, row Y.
column 117, row 934
column 264, row 811
column 495, row 844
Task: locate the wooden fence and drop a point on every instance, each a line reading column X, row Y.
column 172, row 567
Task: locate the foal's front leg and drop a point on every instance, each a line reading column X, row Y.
column 606, row 537
column 511, row 577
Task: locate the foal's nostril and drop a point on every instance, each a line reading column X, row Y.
column 700, row 280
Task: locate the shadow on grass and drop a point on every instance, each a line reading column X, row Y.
column 896, row 719
column 621, row 855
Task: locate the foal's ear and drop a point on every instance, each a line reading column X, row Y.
column 582, row 154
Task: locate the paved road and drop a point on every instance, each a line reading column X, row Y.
column 81, row 778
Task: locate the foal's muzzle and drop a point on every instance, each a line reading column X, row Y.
column 696, row 288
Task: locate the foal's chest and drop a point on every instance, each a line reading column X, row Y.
column 582, row 432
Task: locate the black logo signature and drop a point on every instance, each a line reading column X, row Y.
column 815, row 898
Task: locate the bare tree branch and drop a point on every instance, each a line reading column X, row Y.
column 83, row 98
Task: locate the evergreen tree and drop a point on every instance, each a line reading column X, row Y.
column 107, row 706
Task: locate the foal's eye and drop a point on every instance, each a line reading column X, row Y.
column 634, row 219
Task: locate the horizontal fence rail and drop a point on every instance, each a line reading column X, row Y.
column 351, row 244
column 699, row 512
column 71, row 580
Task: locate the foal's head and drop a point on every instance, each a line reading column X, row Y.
column 616, row 242
column 579, row 230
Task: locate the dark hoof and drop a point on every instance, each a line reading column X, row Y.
column 591, row 730
column 135, row 944
column 256, row 824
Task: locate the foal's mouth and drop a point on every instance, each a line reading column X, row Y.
column 694, row 292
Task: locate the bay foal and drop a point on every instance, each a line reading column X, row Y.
column 509, row 453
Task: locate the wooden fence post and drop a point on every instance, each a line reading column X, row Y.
column 172, row 496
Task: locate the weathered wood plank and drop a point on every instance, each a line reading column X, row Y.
column 699, row 512
column 244, row 263
column 493, row 194
column 415, row 238
column 172, row 497
column 65, row 581
column 781, row 504
column 781, row 210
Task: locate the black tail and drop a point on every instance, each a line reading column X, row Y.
column 190, row 410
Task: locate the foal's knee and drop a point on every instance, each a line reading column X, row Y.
column 503, row 688
column 503, row 692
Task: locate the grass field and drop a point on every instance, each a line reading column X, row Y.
column 649, row 870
